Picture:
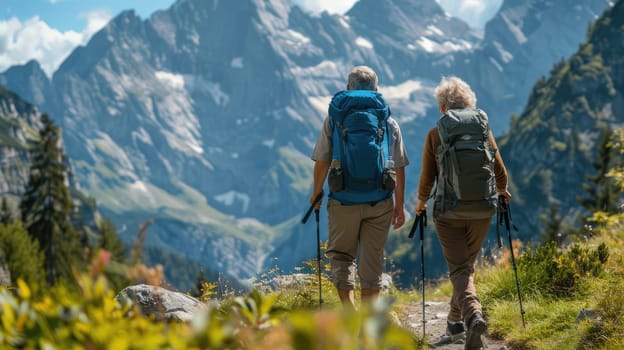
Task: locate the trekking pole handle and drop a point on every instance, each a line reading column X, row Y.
column 309, row 212
column 502, row 202
column 499, row 220
column 420, row 219
column 423, row 225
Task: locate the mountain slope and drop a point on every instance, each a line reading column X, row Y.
column 549, row 151
column 202, row 117
column 19, row 123
column 520, row 44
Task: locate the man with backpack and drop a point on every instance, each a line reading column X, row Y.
column 460, row 156
column 361, row 148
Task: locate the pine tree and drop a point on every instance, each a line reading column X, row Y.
column 601, row 190
column 46, row 205
column 22, row 255
column 6, row 217
column 552, row 225
column 109, row 241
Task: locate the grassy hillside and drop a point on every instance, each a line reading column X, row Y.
column 556, row 284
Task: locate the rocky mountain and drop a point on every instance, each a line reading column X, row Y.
column 19, row 123
column 202, row 117
column 553, row 142
column 521, row 44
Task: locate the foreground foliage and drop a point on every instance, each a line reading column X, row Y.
column 92, row 319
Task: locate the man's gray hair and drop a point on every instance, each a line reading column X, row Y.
column 454, row 93
column 362, row 78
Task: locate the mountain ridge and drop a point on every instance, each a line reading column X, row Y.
column 190, row 112
column 559, row 130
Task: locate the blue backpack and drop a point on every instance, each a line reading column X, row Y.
column 360, row 147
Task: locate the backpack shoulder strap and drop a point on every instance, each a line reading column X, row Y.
column 386, row 145
column 336, row 127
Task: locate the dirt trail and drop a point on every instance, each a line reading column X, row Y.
column 435, row 326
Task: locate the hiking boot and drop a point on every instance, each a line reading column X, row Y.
column 476, row 327
column 455, row 330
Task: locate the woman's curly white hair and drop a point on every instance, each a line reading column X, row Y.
column 454, row 93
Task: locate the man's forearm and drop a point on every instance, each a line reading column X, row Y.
column 399, row 191
column 320, row 173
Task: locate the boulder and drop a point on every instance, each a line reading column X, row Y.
column 161, row 303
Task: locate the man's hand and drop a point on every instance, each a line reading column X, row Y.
column 313, row 198
column 398, row 217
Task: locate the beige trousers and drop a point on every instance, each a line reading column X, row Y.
column 351, row 226
column 461, row 242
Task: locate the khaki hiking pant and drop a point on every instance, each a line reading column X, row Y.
column 352, row 225
column 461, row 242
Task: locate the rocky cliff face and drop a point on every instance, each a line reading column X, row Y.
column 554, row 141
column 19, row 122
column 203, row 116
column 521, row 43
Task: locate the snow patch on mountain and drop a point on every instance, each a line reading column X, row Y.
column 199, row 84
column 505, row 55
column 174, row 81
column 401, row 91
column 231, row 197
column 315, row 80
column 344, row 21
column 296, row 37
column 249, row 223
column 433, row 30
column 320, row 103
column 175, row 109
column 142, row 135
column 515, row 30
column 363, row 43
column 432, row 46
column 237, row 62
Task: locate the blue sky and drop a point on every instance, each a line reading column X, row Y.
column 48, row 30
column 67, row 15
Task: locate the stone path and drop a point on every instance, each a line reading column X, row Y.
column 435, row 326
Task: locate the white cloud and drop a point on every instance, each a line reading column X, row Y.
column 331, row 6
column 34, row 39
column 474, row 12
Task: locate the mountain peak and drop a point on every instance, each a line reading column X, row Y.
column 27, row 80
column 406, row 20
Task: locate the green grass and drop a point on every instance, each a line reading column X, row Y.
column 551, row 319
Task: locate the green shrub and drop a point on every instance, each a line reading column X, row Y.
column 91, row 318
column 22, row 254
column 557, row 272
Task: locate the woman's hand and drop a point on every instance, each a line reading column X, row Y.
column 506, row 195
column 420, row 207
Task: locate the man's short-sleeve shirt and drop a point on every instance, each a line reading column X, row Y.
column 323, row 147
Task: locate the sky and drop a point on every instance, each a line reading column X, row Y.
column 48, row 30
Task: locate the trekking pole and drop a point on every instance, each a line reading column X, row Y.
column 318, row 241
column 318, row 258
column 505, row 217
column 421, row 220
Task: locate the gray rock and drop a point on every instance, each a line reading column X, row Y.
column 587, row 314
column 161, row 303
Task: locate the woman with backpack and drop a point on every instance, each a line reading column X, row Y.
column 461, row 158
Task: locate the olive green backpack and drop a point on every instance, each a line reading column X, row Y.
column 466, row 187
